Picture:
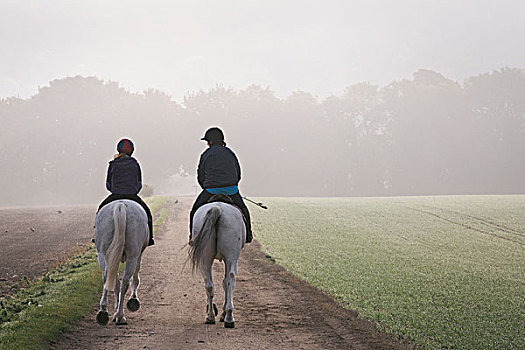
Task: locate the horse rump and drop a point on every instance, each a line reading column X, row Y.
column 200, row 238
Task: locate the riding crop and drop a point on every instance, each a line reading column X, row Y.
column 259, row 204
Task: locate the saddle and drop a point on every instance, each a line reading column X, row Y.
column 226, row 199
column 221, row 198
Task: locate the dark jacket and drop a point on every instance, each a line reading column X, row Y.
column 124, row 176
column 218, row 167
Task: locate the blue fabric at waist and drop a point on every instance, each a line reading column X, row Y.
column 224, row 190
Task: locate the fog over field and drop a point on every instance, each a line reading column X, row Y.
column 317, row 98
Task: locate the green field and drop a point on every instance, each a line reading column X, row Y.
column 444, row 272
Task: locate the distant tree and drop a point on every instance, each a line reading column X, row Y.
column 497, row 102
column 425, row 135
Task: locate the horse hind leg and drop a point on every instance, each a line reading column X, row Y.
column 225, row 288
column 211, row 308
column 102, row 315
column 229, row 285
column 116, row 294
column 129, row 270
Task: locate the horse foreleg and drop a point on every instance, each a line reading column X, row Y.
column 133, row 303
column 228, row 284
column 210, row 293
column 128, row 272
column 135, row 281
column 223, row 313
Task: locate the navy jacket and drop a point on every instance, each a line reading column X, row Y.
column 124, row 176
column 218, row 167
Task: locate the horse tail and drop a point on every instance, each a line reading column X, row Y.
column 208, row 230
column 116, row 248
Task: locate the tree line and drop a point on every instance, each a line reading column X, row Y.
column 427, row 135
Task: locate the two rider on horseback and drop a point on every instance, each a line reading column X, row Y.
column 218, row 173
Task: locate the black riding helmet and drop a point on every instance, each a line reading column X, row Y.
column 214, row 135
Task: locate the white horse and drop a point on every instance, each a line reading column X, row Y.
column 121, row 234
column 218, row 233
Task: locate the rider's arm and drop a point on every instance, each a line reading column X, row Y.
column 139, row 178
column 237, row 167
column 200, row 172
column 108, row 178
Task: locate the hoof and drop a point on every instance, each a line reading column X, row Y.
column 221, row 319
column 210, row 321
column 133, row 304
column 122, row 322
column 102, row 318
column 229, row 324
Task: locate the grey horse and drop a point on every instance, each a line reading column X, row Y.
column 121, row 234
column 218, row 233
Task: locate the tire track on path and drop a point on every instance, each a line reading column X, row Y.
column 468, row 226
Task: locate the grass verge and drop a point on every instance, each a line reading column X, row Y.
column 36, row 316
column 158, row 205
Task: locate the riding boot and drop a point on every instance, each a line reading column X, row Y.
column 249, row 235
column 247, row 223
column 150, row 226
column 191, row 226
column 237, row 200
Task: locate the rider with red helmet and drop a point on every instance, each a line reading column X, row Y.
column 124, row 180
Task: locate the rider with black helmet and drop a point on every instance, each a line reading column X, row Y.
column 219, row 172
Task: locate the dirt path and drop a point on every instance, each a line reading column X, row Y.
column 273, row 310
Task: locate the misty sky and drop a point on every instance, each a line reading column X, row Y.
column 316, row 46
